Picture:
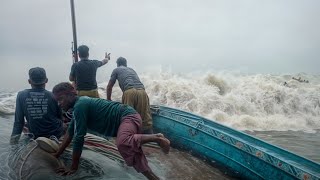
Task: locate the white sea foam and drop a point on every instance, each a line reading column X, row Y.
column 7, row 102
column 245, row 102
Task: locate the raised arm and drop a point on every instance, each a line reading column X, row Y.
column 106, row 59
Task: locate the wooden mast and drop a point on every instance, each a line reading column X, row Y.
column 74, row 31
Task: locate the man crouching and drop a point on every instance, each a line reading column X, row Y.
column 105, row 118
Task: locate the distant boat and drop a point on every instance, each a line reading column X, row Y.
column 244, row 156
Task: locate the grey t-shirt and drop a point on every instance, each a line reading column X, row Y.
column 40, row 109
column 85, row 72
column 126, row 77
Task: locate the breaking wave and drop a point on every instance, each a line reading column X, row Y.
column 259, row 102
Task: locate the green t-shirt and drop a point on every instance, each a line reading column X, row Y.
column 97, row 116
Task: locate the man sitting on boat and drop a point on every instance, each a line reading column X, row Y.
column 105, row 118
column 38, row 107
column 133, row 90
column 83, row 73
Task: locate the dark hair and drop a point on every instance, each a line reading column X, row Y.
column 64, row 87
column 121, row 61
column 37, row 76
column 83, row 51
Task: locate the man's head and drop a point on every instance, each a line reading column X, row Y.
column 37, row 77
column 121, row 61
column 83, row 51
column 65, row 94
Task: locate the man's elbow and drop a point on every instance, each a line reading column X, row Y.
column 105, row 61
column 110, row 86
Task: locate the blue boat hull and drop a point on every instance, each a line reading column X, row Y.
column 245, row 156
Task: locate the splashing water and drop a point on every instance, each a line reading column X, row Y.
column 245, row 102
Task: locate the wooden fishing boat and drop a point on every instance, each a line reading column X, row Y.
column 242, row 155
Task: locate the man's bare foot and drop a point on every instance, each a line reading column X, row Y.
column 164, row 143
column 150, row 175
column 160, row 135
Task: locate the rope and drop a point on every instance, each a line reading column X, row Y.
column 54, row 138
column 93, row 143
column 25, row 158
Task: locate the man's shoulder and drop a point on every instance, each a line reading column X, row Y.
column 85, row 62
column 82, row 103
column 24, row 91
column 115, row 70
column 79, row 64
column 74, row 65
column 82, row 100
column 27, row 92
column 48, row 92
column 123, row 69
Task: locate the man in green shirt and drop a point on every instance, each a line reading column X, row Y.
column 105, row 118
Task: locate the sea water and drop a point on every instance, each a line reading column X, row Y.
column 287, row 115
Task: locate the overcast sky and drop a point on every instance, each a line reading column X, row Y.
column 253, row 36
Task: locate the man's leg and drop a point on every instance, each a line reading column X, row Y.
column 139, row 100
column 150, row 175
column 129, row 144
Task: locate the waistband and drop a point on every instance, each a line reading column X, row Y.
column 87, row 90
column 135, row 88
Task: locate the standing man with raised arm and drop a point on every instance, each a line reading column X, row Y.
column 133, row 90
column 39, row 108
column 83, row 73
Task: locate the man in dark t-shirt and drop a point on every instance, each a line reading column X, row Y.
column 39, row 108
column 83, row 73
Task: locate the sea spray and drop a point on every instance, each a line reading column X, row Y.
column 243, row 101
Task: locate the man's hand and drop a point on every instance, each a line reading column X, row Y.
column 65, row 172
column 14, row 139
column 66, row 141
column 107, row 56
column 13, row 142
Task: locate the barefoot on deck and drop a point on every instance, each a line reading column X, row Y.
column 160, row 135
column 164, row 143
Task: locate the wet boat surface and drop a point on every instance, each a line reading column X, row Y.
column 181, row 165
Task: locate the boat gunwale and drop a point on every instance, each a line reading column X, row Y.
column 203, row 124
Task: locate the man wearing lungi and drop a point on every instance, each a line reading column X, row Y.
column 134, row 93
column 105, row 118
